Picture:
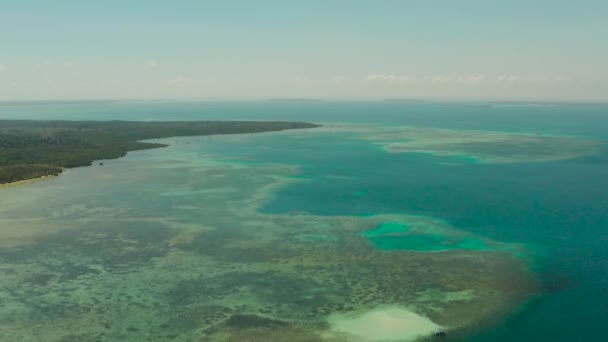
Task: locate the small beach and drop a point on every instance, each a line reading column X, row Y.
column 27, row 181
column 384, row 324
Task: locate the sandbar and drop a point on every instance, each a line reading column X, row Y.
column 392, row 323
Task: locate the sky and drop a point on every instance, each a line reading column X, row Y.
column 551, row 50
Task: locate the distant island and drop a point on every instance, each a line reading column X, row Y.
column 33, row 149
column 404, row 100
column 295, row 99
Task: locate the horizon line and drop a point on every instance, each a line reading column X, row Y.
column 404, row 100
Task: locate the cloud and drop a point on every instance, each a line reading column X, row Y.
column 150, row 64
column 300, row 79
column 338, row 79
column 471, row 79
column 406, row 79
column 3, row 68
column 438, row 79
column 433, row 79
column 178, row 80
column 527, row 79
column 390, row 78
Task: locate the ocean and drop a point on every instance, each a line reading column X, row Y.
column 489, row 219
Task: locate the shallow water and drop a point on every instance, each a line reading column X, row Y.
column 223, row 237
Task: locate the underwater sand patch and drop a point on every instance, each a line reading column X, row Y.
column 479, row 145
column 384, row 324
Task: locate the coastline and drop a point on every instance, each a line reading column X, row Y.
column 365, row 306
column 26, row 181
column 28, row 153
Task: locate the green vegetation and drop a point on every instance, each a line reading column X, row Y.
column 31, row 149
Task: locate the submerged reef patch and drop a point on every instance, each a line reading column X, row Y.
column 474, row 145
column 398, row 236
column 112, row 264
column 386, row 229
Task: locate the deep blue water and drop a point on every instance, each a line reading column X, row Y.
column 560, row 208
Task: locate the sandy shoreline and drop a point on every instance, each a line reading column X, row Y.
column 26, row 181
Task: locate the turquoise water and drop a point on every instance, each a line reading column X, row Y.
column 556, row 207
column 559, row 209
column 393, row 236
column 386, row 228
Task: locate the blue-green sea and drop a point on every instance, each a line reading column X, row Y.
column 551, row 213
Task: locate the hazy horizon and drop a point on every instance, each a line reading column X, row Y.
column 464, row 101
column 470, row 50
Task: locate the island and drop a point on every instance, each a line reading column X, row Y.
column 32, row 149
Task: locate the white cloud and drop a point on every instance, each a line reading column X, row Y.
column 44, row 64
column 510, row 78
column 434, row 79
column 150, row 64
column 178, row 80
column 390, row 78
column 300, row 79
column 438, row 79
column 471, row 79
column 528, row 78
column 3, row 68
column 338, row 79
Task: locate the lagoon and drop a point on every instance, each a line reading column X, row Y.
column 300, row 233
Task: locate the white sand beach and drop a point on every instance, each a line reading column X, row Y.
column 384, row 324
